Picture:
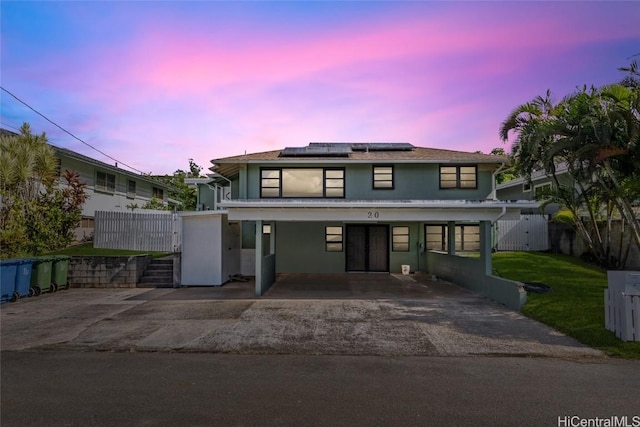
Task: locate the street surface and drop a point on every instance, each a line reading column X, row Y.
column 60, row 388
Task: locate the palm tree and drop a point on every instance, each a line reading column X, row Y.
column 594, row 133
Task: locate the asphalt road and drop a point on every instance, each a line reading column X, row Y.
column 60, row 388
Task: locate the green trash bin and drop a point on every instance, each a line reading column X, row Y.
column 60, row 272
column 41, row 274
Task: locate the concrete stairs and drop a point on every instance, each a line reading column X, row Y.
column 159, row 274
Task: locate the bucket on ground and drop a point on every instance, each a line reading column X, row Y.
column 406, row 269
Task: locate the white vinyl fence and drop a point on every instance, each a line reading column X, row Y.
column 622, row 304
column 529, row 233
column 160, row 232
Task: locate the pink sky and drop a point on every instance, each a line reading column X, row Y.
column 156, row 83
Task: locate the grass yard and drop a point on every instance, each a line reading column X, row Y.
column 88, row 249
column 576, row 305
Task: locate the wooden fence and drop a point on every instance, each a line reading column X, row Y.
column 529, row 233
column 159, row 232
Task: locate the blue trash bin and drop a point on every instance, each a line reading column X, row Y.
column 23, row 278
column 8, row 271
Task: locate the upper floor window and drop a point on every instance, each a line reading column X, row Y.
column 105, row 182
column 542, row 191
column 131, row 189
column 302, row 183
column 158, row 193
column 458, row 177
column 383, row 177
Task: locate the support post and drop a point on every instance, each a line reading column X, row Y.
column 451, row 241
column 485, row 247
column 259, row 258
column 272, row 239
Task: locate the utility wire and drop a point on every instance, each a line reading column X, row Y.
column 72, row 135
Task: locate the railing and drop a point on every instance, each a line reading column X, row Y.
column 159, row 232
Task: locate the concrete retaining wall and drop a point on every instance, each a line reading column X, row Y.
column 468, row 272
column 107, row 271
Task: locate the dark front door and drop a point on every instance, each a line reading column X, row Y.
column 367, row 247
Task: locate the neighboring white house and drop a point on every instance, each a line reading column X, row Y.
column 109, row 188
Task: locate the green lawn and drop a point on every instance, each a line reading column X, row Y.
column 88, row 249
column 576, row 305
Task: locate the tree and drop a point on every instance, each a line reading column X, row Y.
column 37, row 214
column 594, row 133
column 507, row 172
column 180, row 191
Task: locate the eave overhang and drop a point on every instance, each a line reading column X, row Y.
column 375, row 210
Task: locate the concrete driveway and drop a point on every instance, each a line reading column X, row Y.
column 343, row 315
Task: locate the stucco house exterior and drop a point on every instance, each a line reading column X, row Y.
column 359, row 207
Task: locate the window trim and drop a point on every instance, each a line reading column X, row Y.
column 394, row 234
column 105, row 188
column 376, row 181
column 130, row 194
column 543, row 185
column 327, row 242
column 153, row 191
column 324, row 182
column 458, row 180
column 279, row 187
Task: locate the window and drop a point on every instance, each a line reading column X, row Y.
column 542, row 191
column 105, row 182
column 383, row 177
column 87, row 222
column 333, row 239
column 458, row 177
column 400, row 239
column 526, row 187
column 436, row 239
column 158, row 193
column 302, row 183
column 131, row 189
column 467, row 237
column 270, row 183
column 334, row 183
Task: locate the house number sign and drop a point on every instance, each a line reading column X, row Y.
column 373, row 214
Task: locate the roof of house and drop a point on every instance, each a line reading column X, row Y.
column 80, row 157
column 535, row 177
column 355, row 153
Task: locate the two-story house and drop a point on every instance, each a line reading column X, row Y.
column 365, row 207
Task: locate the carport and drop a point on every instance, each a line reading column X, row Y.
column 296, row 236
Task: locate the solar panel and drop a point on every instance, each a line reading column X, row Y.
column 342, row 149
column 382, row 146
column 316, row 151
